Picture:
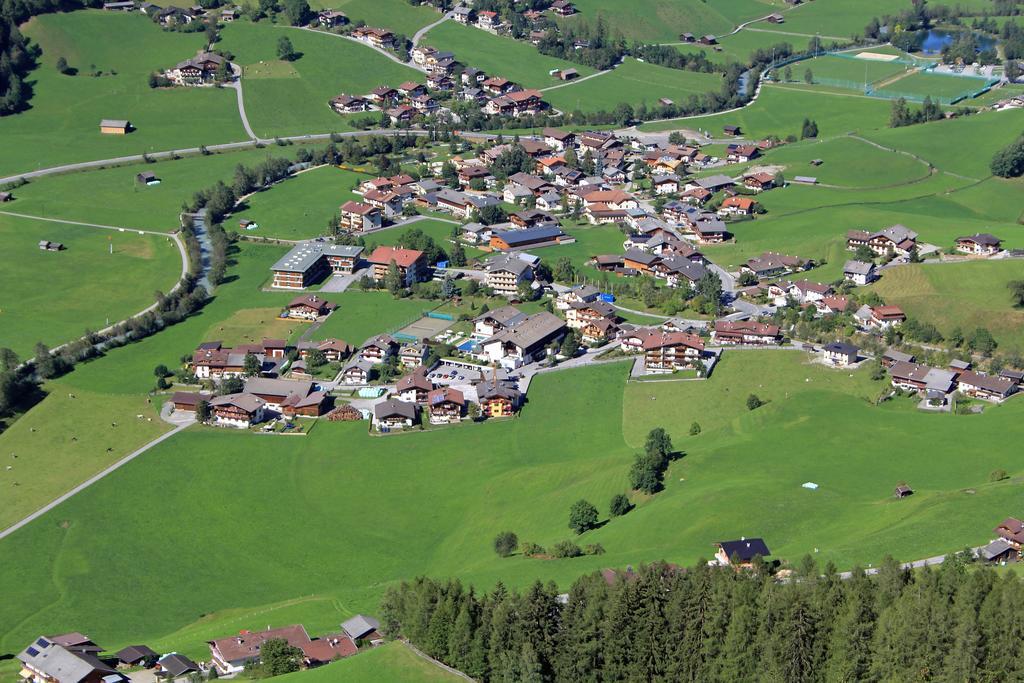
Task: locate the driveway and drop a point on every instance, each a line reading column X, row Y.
column 339, row 283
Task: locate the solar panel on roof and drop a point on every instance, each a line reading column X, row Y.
column 32, row 652
column 43, row 642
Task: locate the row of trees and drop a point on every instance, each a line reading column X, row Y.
column 954, row 623
column 902, row 115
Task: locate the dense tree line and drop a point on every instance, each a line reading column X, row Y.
column 954, row 623
column 17, row 56
column 666, row 55
column 583, row 43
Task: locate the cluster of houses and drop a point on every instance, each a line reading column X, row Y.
column 411, row 101
column 937, row 385
column 75, row 658
column 171, row 15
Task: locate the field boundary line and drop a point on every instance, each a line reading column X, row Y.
column 793, row 33
column 90, row 481
column 441, row 665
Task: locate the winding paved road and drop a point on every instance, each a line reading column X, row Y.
column 418, row 36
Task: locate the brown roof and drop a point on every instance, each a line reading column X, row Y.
column 662, row 339
column 246, row 645
column 886, row 312
column 417, row 379
column 402, row 257
column 746, row 327
column 445, row 394
column 312, row 301
column 329, row 647
column 358, row 208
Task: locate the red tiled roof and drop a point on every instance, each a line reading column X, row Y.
column 402, row 257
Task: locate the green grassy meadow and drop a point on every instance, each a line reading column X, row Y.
column 361, row 315
column 290, row 98
column 68, row 437
column 54, row 296
column 633, row 82
column 397, row 15
column 440, row 497
column 517, row 61
column 663, row 20
column 62, row 125
column 393, row 662
column 301, row 207
column 112, row 196
column 780, row 109
column 965, row 295
column 847, row 162
column 978, row 138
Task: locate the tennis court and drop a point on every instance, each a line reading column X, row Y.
column 425, row 328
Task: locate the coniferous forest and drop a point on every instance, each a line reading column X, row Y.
column 955, row 622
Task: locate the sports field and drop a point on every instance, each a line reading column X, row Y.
column 54, row 296
column 939, row 87
column 301, row 207
column 62, row 124
column 633, row 82
column 290, row 98
column 967, row 295
column 856, row 72
column 515, row 60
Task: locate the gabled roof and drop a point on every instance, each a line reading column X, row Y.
column 417, row 379
column 403, row 258
column 745, row 549
column 359, row 625
column 392, row 408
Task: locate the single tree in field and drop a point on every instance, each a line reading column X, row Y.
column 808, row 77
column 659, row 443
column 506, row 543
column 695, row 429
column 62, row 65
column 582, row 516
column 753, row 402
column 285, row 49
column 619, row 506
column 161, row 371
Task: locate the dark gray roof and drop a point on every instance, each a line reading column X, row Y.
column 177, row 665
column 841, row 347
column 745, row 549
column 715, row 182
column 359, row 625
column 858, row 267
column 61, row 663
column 514, row 237
column 135, row 653
column 394, row 408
